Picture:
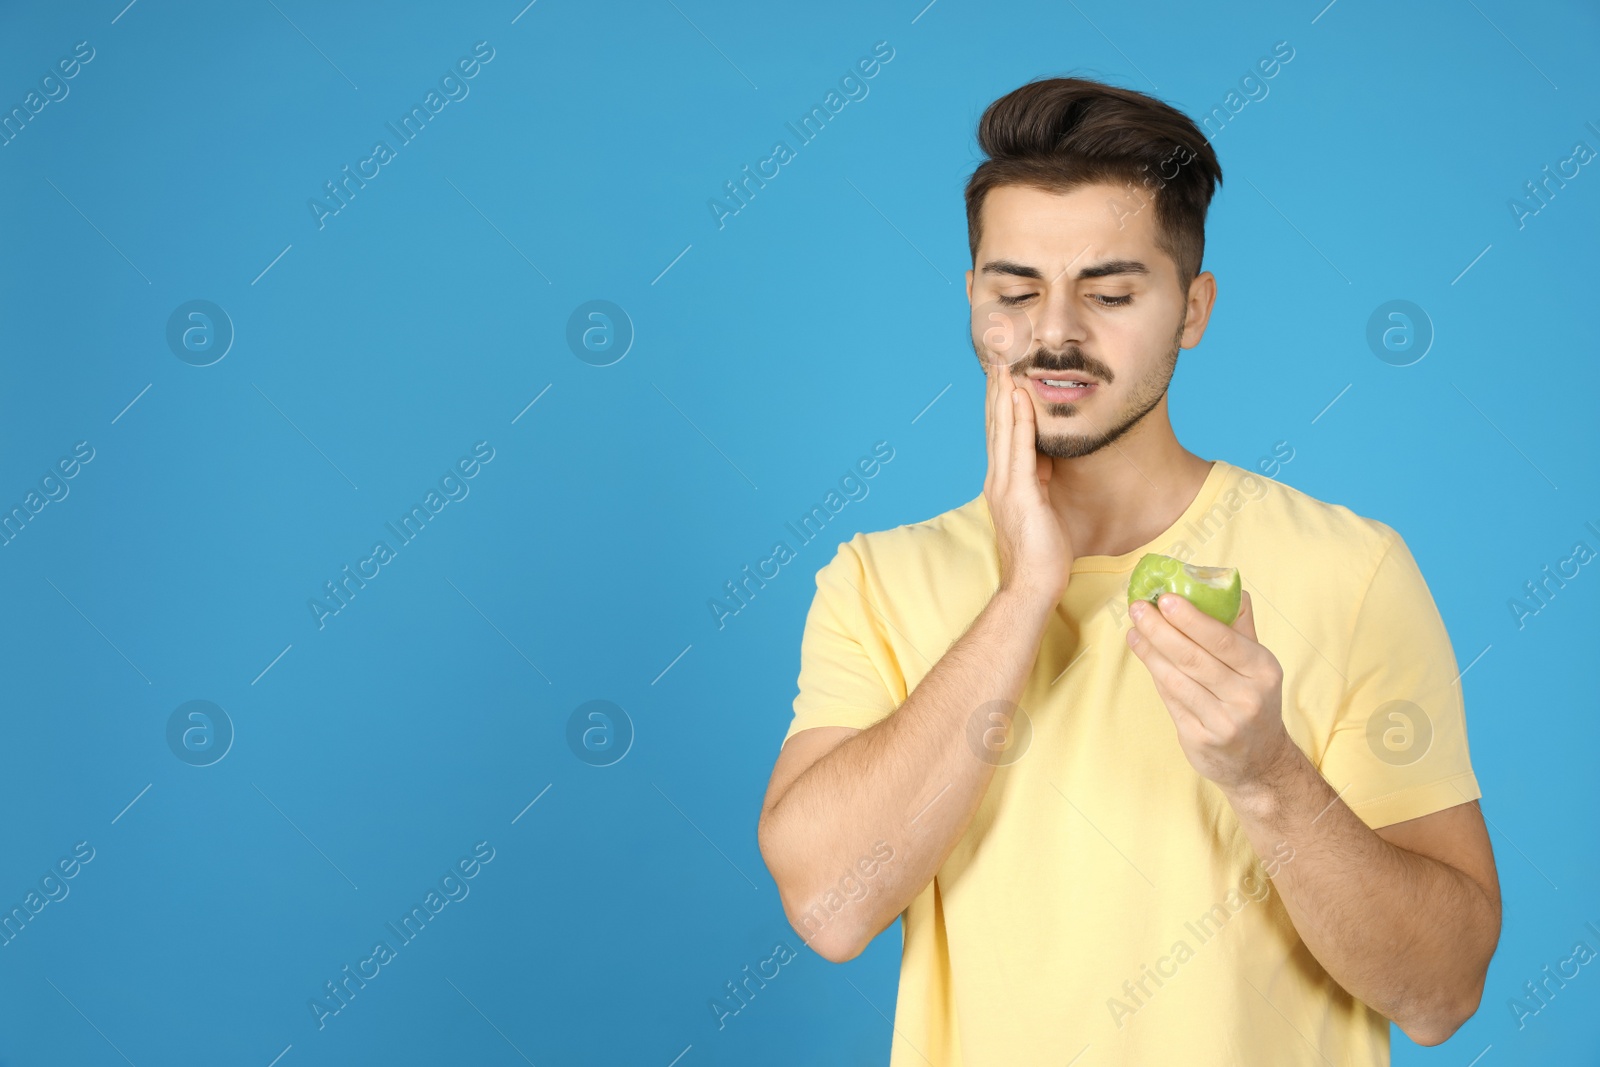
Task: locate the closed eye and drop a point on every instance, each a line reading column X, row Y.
column 1105, row 301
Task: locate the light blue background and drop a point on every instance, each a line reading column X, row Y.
column 775, row 351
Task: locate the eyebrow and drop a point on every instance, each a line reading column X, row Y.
column 1094, row 270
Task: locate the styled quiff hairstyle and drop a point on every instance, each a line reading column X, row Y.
column 1057, row 134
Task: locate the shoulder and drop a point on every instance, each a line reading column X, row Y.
column 1337, row 535
column 1335, row 589
column 963, row 530
column 952, row 549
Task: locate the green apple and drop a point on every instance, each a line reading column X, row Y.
column 1214, row 590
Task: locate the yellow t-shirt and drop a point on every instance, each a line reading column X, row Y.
column 1104, row 899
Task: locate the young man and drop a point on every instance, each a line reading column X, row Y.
column 1140, row 837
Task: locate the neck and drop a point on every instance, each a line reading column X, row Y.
column 1119, row 497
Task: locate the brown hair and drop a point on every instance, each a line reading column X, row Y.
column 1058, row 134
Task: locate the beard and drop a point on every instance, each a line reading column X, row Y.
column 1147, row 393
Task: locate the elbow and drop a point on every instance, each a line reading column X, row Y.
column 833, row 940
column 829, row 936
column 1434, row 1020
column 1427, row 1034
column 834, row 948
column 1439, row 1025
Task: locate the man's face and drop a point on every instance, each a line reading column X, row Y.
column 1072, row 286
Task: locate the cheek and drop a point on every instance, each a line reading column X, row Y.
column 1151, row 340
column 1126, row 347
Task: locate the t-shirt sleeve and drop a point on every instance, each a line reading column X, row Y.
column 1398, row 748
column 848, row 672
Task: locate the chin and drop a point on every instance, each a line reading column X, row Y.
column 1068, row 446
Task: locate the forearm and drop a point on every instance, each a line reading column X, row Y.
column 1403, row 933
column 913, row 780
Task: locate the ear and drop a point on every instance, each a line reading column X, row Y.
column 1246, row 622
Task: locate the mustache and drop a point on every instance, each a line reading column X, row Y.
column 1072, row 359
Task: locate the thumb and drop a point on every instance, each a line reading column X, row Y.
column 1246, row 622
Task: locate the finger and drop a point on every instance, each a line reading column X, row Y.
column 989, row 389
column 1185, row 698
column 1225, row 644
column 991, row 402
column 1024, row 445
column 1178, row 649
column 1004, row 420
column 988, row 386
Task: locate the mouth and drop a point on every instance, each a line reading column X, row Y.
column 1063, row 387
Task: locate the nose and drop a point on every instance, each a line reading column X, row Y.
column 1060, row 320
